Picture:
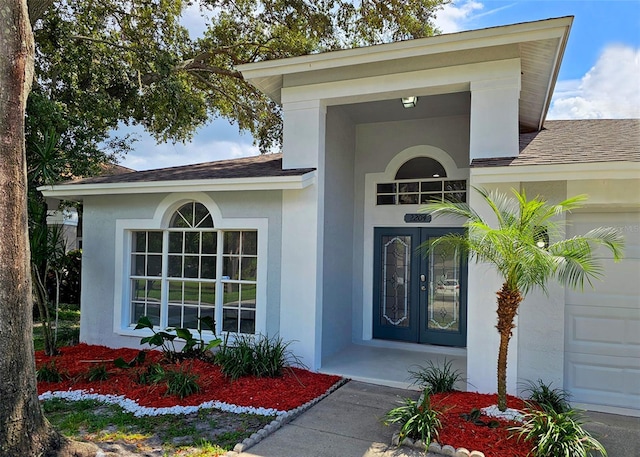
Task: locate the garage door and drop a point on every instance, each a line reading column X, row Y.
column 602, row 324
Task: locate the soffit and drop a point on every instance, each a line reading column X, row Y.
column 539, row 45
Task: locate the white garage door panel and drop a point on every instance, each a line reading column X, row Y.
column 619, row 287
column 602, row 324
column 602, row 331
column 600, row 380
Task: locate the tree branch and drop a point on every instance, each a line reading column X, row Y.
column 37, row 8
column 98, row 40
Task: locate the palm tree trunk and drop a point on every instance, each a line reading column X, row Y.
column 508, row 302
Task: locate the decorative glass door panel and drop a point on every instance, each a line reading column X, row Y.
column 396, row 281
column 418, row 297
column 444, row 287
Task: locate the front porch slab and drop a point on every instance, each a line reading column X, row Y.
column 389, row 364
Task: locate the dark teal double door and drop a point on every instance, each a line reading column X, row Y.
column 418, row 297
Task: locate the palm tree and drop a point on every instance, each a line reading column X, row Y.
column 518, row 247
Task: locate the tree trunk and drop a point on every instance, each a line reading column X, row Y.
column 508, row 302
column 23, row 428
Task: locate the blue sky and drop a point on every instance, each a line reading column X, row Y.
column 599, row 77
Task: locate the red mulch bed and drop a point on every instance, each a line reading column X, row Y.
column 458, row 432
column 293, row 389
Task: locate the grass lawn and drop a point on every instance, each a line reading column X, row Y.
column 207, row 433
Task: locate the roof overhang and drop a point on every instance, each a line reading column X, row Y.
column 541, row 47
column 556, row 172
column 76, row 192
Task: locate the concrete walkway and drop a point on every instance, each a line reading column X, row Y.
column 348, row 423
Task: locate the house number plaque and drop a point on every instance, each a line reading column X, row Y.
column 417, row 218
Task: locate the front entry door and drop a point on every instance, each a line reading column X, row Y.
column 418, row 297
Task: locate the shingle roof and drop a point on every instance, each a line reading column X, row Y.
column 575, row 141
column 266, row 165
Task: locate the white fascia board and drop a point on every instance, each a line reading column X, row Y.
column 494, row 36
column 76, row 191
column 267, row 75
column 556, row 172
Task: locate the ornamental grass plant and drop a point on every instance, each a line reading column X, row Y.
column 437, row 378
column 257, row 356
column 547, row 397
column 417, row 419
column 557, row 434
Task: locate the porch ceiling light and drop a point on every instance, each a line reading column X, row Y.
column 409, row 102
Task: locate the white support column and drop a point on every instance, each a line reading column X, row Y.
column 303, row 133
column 494, row 127
column 302, row 232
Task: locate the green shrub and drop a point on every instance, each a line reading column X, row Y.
column 556, row 434
column 153, row 374
column 97, row 373
column 194, row 348
column 548, row 398
column 255, row 356
column 418, row 419
column 181, row 383
column 436, row 378
column 49, row 373
column 238, row 360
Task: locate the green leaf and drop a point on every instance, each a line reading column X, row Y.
column 209, row 322
column 166, row 336
column 212, row 344
column 184, row 333
column 144, row 322
column 120, row 363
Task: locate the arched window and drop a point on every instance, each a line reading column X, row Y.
column 191, row 215
column 418, row 181
column 192, row 270
column 421, row 167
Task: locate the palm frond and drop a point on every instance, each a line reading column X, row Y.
column 610, row 237
column 575, row 262
column 504, row 207
column 456, row 209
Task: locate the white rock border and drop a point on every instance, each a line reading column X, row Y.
column 434, row 447
column 132, row 406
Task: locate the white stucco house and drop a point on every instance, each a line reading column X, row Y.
column 318, row 244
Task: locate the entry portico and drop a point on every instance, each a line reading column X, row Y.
column 343, row 116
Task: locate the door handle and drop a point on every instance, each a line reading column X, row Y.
column 423, row 278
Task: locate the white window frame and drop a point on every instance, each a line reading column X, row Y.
column 160, row 221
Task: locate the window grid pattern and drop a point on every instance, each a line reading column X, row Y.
column 175, row 276
column 239, row 280
column 411, row 192
column 146, row 275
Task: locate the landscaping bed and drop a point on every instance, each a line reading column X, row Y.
column 460, row 431
column 293, row 389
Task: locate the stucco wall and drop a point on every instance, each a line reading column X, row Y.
column 541, row 316
column 337, row 257
column 99, row 273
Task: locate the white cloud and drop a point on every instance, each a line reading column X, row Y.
column 454, row 16
column 609, row 90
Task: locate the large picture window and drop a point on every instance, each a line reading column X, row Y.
column 192, row 270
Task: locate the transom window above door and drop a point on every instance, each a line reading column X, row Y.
column 418, row 181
